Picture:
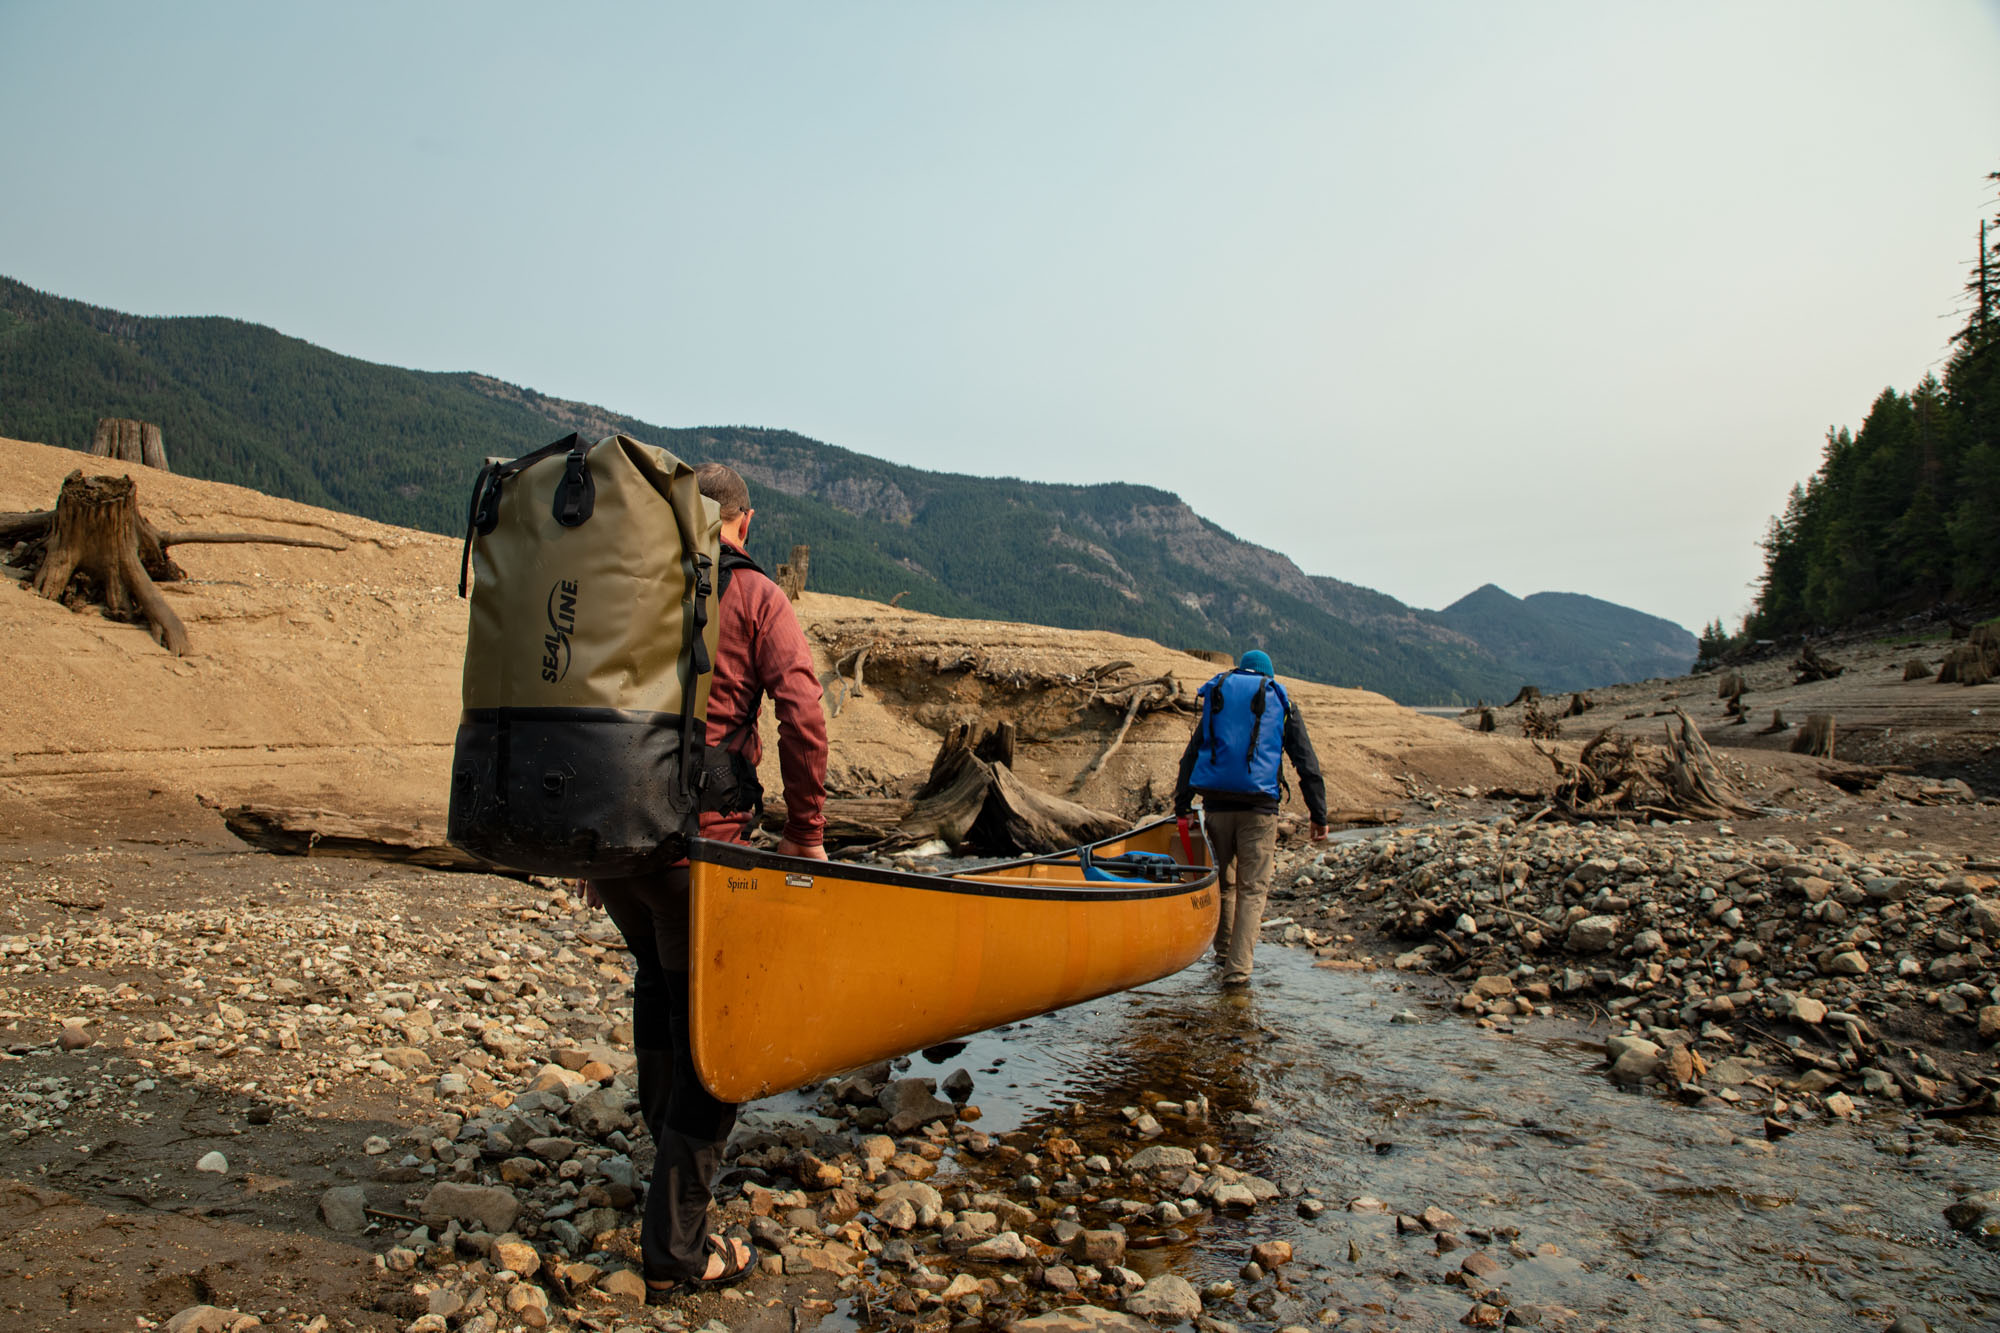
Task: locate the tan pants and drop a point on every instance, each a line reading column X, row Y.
column 1244, row 841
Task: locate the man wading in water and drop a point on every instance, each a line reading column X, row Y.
column 760, row 650
column 1235, row 763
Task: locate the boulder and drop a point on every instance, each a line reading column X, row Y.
column 1160, row 1157
column 345, row 1209
column 1593, row 934
column 604, row 1111
column 1165, row 1297
column 491, row 1208
column 912, row 1103
column 211, row 1319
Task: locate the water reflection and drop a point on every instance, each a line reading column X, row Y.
column 1619, row 1206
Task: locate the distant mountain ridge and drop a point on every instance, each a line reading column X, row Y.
column 243, row 403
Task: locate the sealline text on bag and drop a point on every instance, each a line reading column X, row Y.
column 587, row 660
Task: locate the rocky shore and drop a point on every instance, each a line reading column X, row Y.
column 436, row 1067
column 1786, row 973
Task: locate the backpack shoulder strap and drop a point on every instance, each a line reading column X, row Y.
column 1256, row 722
column 733, row 560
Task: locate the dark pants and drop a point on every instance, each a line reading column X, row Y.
column 689, row 1127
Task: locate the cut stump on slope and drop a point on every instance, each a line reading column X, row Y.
column 96, row 549
column 126, row 441
column 1816, row 736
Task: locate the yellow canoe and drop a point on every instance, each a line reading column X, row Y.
column 802, row 969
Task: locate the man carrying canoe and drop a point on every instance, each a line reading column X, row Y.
column 760, row 650
column 1234, row 762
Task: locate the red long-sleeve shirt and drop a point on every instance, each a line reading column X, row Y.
column 760, row 646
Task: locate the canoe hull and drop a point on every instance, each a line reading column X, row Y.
column 801, row 969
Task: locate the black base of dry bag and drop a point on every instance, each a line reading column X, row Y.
column 572, row 792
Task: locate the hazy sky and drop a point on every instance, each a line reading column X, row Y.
column 1425, row 295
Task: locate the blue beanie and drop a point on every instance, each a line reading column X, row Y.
column 1256, row 660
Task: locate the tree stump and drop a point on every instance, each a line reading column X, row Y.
column 1778, row 723
column 1811, row 667
column 93, row 556
column 1816, row 736
column 1527, row 693
column 96, row 547
column 1537, row 724
column 1731, row 685
column 791, row 576
column 129, row 441
column 1696, row 780
column 1486, row 722
column 1579, row 704
column 1916, row 669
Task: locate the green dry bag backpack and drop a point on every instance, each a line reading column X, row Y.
column 587, row 660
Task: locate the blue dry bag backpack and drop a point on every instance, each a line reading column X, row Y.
column 1242, row 734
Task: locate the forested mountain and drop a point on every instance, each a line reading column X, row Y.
column 242, row 403
column 1566, row 641
column 1904, row 513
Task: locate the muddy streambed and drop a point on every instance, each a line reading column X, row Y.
column 1618, row 1206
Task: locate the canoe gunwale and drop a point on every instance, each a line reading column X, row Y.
column 737, row 856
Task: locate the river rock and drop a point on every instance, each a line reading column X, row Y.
column 915, row 1192
column 1271, row 1254
column 211, row 1319
column 1165, row 1297
column 1160, row 1157
column 491, row 1208
column 1593, row 934
column 1805, row 1009
column 624, row 1287
column 911, row 1104
column 1005, row 1248
column 213, row 1162
column 604, row 1112
column 1081, row 1319
column 1848, row 963
column 1989, row 1023
column 345, row 1209
column 1097, row 1247
column 1492, row 987
column 957, row 1085
column 516, row 1257
column 1976, row 1214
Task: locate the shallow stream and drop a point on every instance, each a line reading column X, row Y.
column 1660, row 1216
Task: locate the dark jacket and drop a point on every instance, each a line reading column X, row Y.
column 1298, row 746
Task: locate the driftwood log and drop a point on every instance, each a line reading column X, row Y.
column 126, row 441
column 325, row 833
column 96, row 549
